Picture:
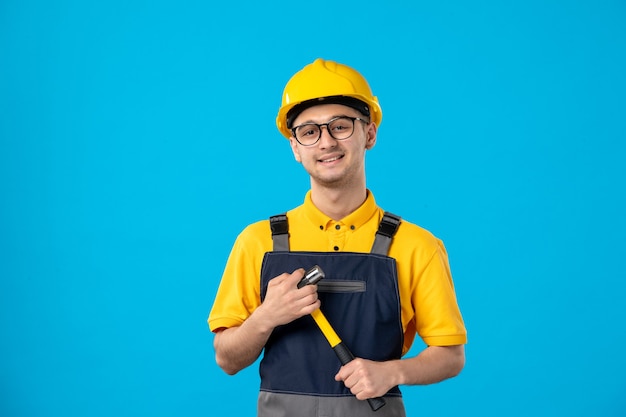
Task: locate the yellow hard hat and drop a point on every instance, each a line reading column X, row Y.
column 326, row 82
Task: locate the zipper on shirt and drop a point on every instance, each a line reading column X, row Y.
column 338, row 286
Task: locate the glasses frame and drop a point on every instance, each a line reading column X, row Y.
column 319, row 126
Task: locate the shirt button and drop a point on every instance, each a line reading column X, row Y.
column 321, row 227
column 352, row 227
column 336, row 248
column 337, row 227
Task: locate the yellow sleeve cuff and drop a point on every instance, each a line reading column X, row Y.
column 451, row 340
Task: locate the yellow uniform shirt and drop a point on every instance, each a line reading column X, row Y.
column 427, row 297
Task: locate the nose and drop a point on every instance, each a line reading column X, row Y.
column 326, row 140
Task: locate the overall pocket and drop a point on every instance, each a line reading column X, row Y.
column 339, row 286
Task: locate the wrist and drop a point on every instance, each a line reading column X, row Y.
column 398, row 372
column 260, row 321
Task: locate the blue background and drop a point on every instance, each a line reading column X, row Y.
column 137, row 139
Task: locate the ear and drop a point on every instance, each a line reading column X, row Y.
column 371, row 132
column 294, row 149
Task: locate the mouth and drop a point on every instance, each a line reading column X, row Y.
column 330, row 159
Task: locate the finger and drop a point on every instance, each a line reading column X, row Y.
column 289, row 279
column 343, row 374
column 308, row 309
column 297, row 275
column 279, row 279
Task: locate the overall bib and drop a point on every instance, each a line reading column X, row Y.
column 359, row 296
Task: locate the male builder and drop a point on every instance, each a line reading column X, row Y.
column 386, row 278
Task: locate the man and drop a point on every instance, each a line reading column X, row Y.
column 386, row 279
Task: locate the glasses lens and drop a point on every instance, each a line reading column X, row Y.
column 307, row 134
column 341, row 128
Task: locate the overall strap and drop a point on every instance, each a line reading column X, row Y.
column 386, row 229
column 280, row 232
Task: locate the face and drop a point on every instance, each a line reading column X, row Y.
column 330, row 162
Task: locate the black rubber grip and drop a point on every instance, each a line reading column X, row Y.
column 345, row 356
column 343, row 353
column 376, row 403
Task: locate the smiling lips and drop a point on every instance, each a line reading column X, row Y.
column 331, row 159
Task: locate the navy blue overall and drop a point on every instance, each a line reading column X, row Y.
column 359, row 296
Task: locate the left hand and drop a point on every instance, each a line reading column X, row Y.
column 366, row 378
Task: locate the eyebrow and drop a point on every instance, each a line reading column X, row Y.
column 312, row 122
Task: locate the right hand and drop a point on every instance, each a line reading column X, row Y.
column 284, row 301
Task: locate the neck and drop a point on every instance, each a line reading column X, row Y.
column 337, row 203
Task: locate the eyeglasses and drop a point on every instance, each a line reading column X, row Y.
column 339, row 128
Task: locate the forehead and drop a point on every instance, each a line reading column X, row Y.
column 323, row 113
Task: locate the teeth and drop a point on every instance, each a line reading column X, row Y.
column 331, row 159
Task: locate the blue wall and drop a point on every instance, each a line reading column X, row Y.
column 137, row 139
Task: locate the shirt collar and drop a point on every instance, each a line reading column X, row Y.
column 357, row 218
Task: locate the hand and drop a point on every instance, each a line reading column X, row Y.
column 284, row 301
column 365, row 378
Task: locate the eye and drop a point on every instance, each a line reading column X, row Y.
column 306, row 131
column 341, row 125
